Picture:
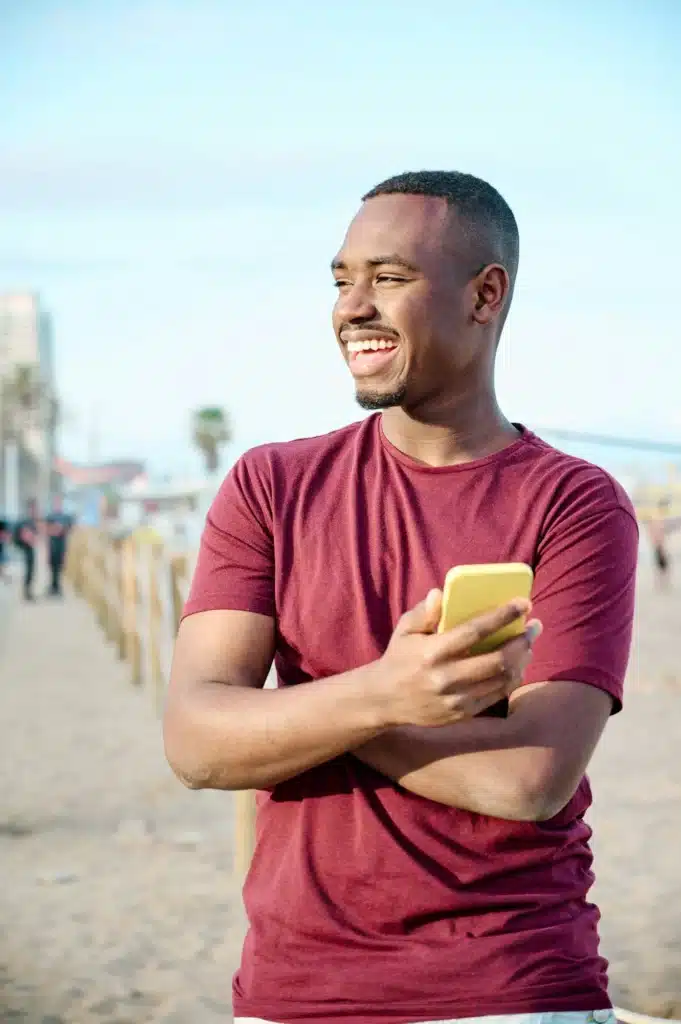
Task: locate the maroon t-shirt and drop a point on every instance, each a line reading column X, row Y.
column 368, row 903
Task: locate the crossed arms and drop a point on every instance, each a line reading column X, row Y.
column 223, row 731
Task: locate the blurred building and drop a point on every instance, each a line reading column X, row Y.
column 27, row 402
column 93, row 491
column 172, row 508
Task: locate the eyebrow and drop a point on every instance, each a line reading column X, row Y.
column 392, row 260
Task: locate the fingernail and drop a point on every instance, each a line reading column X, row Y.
column 533, row 632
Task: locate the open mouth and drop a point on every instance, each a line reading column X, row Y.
column 369, row 356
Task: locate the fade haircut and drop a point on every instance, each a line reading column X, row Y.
column 483, row 213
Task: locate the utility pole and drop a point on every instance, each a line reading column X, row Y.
column 45, row 420
column 93, row 437
column 10, row 454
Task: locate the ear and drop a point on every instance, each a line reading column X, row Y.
column 492, row 288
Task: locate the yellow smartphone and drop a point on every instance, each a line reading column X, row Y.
column 472, row 590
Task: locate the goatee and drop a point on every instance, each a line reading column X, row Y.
column 375, row 400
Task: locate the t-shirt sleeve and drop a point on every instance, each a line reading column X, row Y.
column 235, row 565
column 584, row 592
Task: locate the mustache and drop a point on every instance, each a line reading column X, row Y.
column 369, row 325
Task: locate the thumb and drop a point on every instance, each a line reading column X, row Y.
column 423, row 617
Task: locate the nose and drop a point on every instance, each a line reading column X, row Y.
column 355, row 304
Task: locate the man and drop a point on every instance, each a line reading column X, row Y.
column 657, row 534
column 25, row 538
column 5, row 538
column 58, row 526
column 416, row 860
column 661, row 525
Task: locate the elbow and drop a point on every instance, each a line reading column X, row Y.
column 191, row 780
column 191, row 770
column 191, row 775
column 199, row 763
column 196, row 772
column 186, row 754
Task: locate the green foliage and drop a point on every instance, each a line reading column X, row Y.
column 211, row 429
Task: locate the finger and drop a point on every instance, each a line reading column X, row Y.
column 533, row 631
column 424, row 617
column 492, row 690
column 433, row 609
column 487, row 700
column 479, row 697
column 466, row 674
column 517, row 655
column 462, row 638
column 519, row 649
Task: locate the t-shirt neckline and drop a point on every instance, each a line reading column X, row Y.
column 503, row 455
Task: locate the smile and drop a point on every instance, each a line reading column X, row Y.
column 365, row 358
column 371, row 345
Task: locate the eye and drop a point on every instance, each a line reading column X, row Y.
column 341, row 283
column 389, row 279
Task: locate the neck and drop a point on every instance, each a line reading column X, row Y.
column 457, row 430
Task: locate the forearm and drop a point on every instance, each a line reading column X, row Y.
column 480, row 765
column 219, row 736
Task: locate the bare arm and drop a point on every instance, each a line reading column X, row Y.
column 528, row 766
column 223, row 731
column 525, row 767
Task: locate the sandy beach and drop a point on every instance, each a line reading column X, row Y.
column 119, row 905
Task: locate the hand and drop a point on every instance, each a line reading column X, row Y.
column 431, row 679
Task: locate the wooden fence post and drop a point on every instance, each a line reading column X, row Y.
column 132, row 646
column 137, row 591
column 244, row 830
column 178, row 580
column 155, row 628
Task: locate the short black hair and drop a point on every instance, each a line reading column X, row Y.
column 485, row 215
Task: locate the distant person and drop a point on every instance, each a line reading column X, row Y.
column 58, row 525
column 660, row 526
column 5, row 538
column 26, row 538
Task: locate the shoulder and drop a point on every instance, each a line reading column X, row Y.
column 271, row 477
column 284, row 464
column 290, row 455
column 574, row 486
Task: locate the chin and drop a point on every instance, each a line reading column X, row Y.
column 374, row 400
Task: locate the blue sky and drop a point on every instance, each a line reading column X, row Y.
column 175, row 176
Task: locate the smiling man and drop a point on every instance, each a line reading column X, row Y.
column 420, row 856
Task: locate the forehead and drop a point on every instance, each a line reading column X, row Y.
column 416, row 228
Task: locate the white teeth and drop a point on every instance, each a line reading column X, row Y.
column 372, row 345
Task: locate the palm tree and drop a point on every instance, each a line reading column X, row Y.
column 211, row 429
column 26, row 404
column 20, row 398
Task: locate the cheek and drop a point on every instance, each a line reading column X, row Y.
column 337, row 319
column 408, row 315
column 448, row 332
column 415, row 312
